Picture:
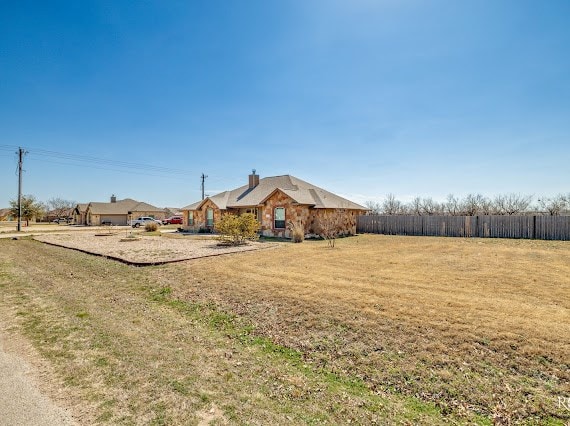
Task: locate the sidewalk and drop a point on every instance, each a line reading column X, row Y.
column 21, row 402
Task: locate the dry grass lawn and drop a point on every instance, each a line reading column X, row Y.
column 381, row 329
column 470, row 324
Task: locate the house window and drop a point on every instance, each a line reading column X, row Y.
column 279, row 218
column 190, row 218
column 210, row 217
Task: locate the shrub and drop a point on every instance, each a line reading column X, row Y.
column 297, row 232
column 151, row 226
column 235, row 230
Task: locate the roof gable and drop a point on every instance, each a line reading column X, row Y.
column 277, row 190
column 81, row 207
column 220, row 204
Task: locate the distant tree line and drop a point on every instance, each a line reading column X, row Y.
column 34, row 209
column 473, row 205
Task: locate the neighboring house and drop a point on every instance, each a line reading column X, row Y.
column 6, row 214
column 276, row 202
column 56, row 214
column 172, row 211
column 119, row 212
column 80, row 214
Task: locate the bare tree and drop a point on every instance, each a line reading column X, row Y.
column 470, row 205
column 511, row 204
column 430, row 207
column 391, row 205
column 487, row 207
column 374, row 207
column 415, row 206
column 553, row 206
column 61, row 207
column 452, row 205
column 473, row 204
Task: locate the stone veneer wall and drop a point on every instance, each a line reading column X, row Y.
column 345, row 220
column 293, row 213
column 200, row 215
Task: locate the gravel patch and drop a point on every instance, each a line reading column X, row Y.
column 146, row 250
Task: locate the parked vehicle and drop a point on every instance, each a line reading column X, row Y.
column 173, row 220
column 143, row 220
column 62, row 220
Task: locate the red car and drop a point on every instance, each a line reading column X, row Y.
column 173, row 220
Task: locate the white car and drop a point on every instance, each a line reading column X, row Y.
column 143, row 220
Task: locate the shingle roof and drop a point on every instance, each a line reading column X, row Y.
column 81, row 207
column 192, row 206
column 122, row 207
column 220, row 200
column 300, row 191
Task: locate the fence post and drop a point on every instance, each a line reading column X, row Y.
column 477, row 226
column 534, row 227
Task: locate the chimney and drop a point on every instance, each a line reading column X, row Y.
column 253, row 179
column 113, row 198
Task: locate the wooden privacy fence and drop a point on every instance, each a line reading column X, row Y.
column 535, row 227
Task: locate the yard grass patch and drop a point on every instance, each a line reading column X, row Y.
column 384, row 330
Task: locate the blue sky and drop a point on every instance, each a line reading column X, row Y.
column 360, row 97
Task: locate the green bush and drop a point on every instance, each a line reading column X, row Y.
column 151, row 226
column 236, row 230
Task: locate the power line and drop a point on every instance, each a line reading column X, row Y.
column 79, row 160
column 140, row 173
column 106, row 161
column 97, row 160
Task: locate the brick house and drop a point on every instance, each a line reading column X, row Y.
column 119, row 212
column 6, row 214
column 277, row 201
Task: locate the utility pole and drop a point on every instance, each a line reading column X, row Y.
column 21, row 153
column 203, row 177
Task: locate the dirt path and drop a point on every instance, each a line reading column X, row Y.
column 21, row 401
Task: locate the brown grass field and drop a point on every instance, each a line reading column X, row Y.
column 379, row 330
